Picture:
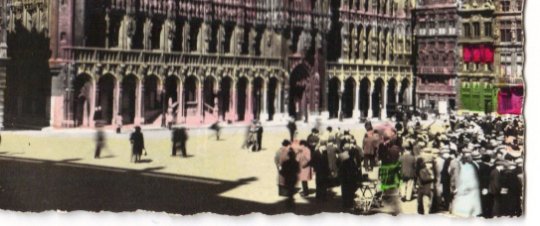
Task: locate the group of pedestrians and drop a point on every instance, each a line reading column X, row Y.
column 465, row 165
column 473, row 167
column 334, row 157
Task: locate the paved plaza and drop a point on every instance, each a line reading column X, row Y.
column 56, row 170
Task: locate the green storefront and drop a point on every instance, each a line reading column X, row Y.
column 478, row 97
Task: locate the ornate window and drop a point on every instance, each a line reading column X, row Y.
column 487, row 29
column 505, row 5
column 467, row 30
column 476, row 29
column 519, row 32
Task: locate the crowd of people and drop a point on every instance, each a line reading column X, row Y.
column 465, row 165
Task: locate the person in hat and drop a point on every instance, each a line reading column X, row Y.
column 348, row 174
column 371, row 145
column 332, row 152
column 466, row 201
column 484, row 173
column 445, row 180
column 425, row 181
column 313, row 139
column 319, row 162
column 506, row 189
column 137, row 144
column 408, row 170
column 303, row 156
column 289, row 171
column 100, row 140
column 291, row 126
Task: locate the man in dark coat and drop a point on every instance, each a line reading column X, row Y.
column 100, row 141
column 507, row 190
column 319, row 161
column 182, row 140
column 313, row 139
column 348, row 174
column 259, row 136
column 289, row 171
column 484, row 172
column 332, row 152
column 175, row 139
column 291, row 126
column 137, row 144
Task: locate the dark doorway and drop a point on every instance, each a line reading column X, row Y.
column 272, row 95
column 82, row 87
column 391, row 100
column 105, row 95
column 364, row 97
column 377, row 98
column 257, row 95
column 152, row 99
column 298, row 83
column 333, row 97
column 190, row 96
column 348, row 98
column 224, row 96
column 129, row 88
column 241, row 89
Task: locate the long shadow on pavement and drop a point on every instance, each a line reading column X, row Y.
column 38, row 185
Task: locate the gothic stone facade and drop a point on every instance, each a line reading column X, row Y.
column 436, row 38
column 370, row 72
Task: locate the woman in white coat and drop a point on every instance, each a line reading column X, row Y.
column 467, row 194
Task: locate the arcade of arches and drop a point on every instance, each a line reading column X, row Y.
column 367, row 98
column 157, row 100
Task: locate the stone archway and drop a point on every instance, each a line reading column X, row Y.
column 82, row 94
column 348, row 98
column 152, row 99
column 105, row 98
column 365, row 85
column 258, row 96
column 191, row 97
column 334, row 87
column 391, row 100
column 241, row 98
column 299, row 83
column 209, row 99
column 272, row 96
column 129, row 98
column 224, row 96
column 377, row 98
column 404, row 92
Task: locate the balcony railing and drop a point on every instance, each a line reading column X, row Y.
column 149, row 57
column 435, row 88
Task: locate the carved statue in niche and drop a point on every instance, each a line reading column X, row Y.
column 237, row 40
column 126, row 32
column 382, row 46
column 266, row 43
column 374, row 44
column 344, row 42
column 167, row 35
column 354, row 37
column 147, row 34
column 203, row 38
column 220, row 42
column 304, row 41
column 318, row 41
column 252, row 41
column 186, row 36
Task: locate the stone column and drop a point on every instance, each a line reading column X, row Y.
column 370, row 102
column 92, row 102
column 356, row 110
column 340, row 102
column 116, row 100
column 180, row 101
column 139, row 103
column 199, row 99
column 232, row 115
column 277, row 102
column 249, row 104
column 398, row 88
column 264, row 110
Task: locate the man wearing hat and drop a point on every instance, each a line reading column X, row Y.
column 319, row 162
column 445, row 179
column 408, row 162
column 484, row 173
column 506, row 189
column 371, row 145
